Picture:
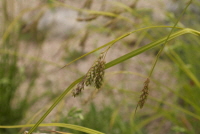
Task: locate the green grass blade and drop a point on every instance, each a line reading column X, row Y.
column 54, row 104
column 149, row 46
column 177, row 108
column 159, row 53
column 117, row 39
column 114, row 62
column 74, row 127
column 182, row 65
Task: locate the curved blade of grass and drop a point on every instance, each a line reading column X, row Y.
column 114, row 62
column 116, row 40
column 102, row 13
column 174, row 91
column 53, row 131
column 123, row 6
column 178, row 108
column 131, row 93
column 158, row 83
column 162, row 48
column 182, row 65
column 174, row 106
column 54, row 64
column 56, row 3
column 148, row 120
column 37, row 59
column 70, row 126
column 15, row 22
column 150, row 46
column 54, row 104
column 34, row 116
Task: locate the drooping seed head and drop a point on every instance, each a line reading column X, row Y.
column 96, row 73
column 144, row 95
column 100, row 75
column 78, row 89
column 90, row 76
column 94, row 76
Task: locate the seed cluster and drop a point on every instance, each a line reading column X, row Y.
column 144, row 95
column 93, row 77
column 98, row 81
column 78, row 89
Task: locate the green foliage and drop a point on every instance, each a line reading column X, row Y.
column 101, row 120
column 188, row 51
column 181, row 114
column 10, row 80
column 13, row 105
column 12, row 109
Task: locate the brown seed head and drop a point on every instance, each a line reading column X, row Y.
column 90, row 76
column 96, row 73
column 144, row 95
column 94, row 76
column 78, row 89
column 99, row 75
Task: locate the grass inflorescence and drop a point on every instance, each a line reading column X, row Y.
column 94, row 76
column 144, row 95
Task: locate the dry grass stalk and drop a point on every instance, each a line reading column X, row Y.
column 89, row 18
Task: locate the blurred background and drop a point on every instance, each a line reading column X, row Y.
column 38, row 37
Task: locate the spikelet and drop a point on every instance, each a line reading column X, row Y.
column 96, row 73
column 99, row 75
column 144, row 95
column 90, row 76
column 78, row 88
column 94, row 76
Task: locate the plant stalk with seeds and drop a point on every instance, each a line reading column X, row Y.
column 94, row 76
column 79, row 88
column 144, row 95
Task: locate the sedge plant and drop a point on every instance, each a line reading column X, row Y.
column 96, row 73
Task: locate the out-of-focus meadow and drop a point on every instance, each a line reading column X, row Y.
column 39, row 37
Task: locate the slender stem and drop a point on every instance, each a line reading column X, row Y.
column 113, row 63
column 159, row 53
